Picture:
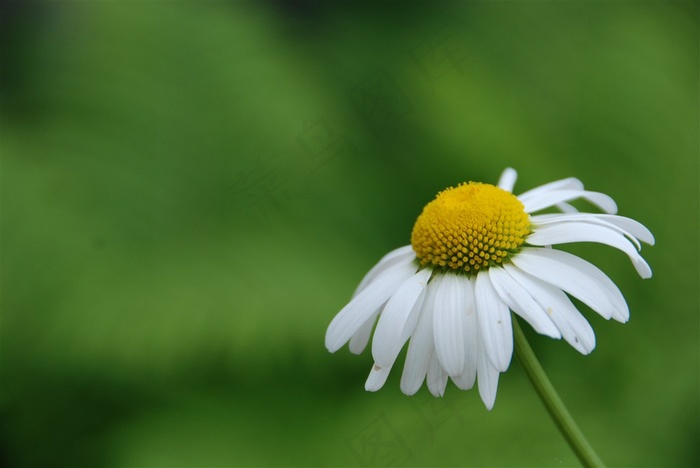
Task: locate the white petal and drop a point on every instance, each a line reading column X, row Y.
column 628, row 226
column 421, row 347
column 399, row 318
column 570, row 183
column 634, row 228
column 574, row 231
column 448, row 321
column 591, row 218
column 553, row 197
column 488, row 379
column 359, row 340
column 396, row 256
column 520, row 302
column 508, row 178
column 573, row 326
column 349, row 320
column 495, row 328
column 577, row 277
column 437, row 377
column 466, row 379
column 377, row 378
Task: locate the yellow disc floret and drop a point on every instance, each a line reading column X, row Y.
column 470, row 227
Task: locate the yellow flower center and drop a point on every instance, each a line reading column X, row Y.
column 470, row 227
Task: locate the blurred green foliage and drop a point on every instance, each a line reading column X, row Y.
column 191, row 191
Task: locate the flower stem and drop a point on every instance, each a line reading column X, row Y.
column 556, row 408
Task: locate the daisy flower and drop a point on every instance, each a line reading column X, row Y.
column 478, row 252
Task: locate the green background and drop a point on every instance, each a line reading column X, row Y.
column 191, row 191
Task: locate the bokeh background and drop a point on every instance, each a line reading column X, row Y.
column 191, row 191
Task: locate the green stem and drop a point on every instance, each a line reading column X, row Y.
column 566, row 424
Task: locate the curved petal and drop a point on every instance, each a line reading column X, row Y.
column 448, row 321
column 349, row 320
column 421, row 347
column 507, row 179
column 522, row 303
column 377, row 378
column 399, row 319
column 495, row 328
column 570, row 183
column 393, row 258
column 577, row 277
column 466, row 379
column 573, row 326
column 488, row 379
column 628, row 226
column 575, row 231
column 359, row 340
column 632, row 227
column 550, row 198
column 437, row 377
column 537, row 222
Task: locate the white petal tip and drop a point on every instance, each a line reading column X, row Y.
column 488, row 397
column 437, row 388
column 621, row 315
column 503, row 366
column 331, row 347
column 644, row 270
column 508, row 178
column 334, row 339
column 377, row 378
column 464, row 382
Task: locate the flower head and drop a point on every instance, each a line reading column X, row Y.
column 478, row 252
